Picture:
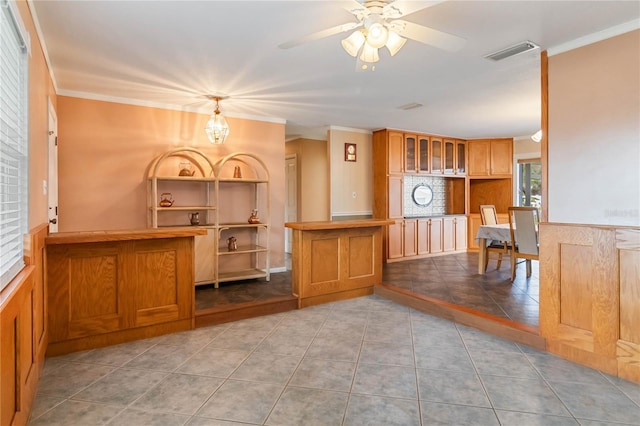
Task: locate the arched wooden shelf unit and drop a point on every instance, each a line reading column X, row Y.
column 213, row 192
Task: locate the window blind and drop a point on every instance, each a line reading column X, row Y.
column 14, row 171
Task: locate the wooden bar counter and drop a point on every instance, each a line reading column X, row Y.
column 335, row 260
column 108, row 287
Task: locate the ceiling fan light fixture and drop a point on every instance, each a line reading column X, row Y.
column 217, row 128
column 369, row 54
column 395, row 43
column 353, row 43
column 377, row 35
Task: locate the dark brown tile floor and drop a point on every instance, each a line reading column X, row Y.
column 450, row 278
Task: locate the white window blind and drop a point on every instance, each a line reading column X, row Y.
column 14, row 148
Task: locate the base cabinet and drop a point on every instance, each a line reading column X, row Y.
column 448, row 234
column 113, row 291
column 395, row 240
column 435, row 236
column 415, row 238
column 410, row 228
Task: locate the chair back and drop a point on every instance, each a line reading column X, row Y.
column 523, row 224
column 488, row 214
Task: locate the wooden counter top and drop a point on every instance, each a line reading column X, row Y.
column 123, row 235
column 337, row 224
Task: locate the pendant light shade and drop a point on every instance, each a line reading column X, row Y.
column 395, row 43
column 377, row 35
column 353, row 43
column 369, row 54
column 217, row 128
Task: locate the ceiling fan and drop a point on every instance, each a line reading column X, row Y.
column 378, row 25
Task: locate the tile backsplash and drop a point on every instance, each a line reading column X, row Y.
column 437, row 206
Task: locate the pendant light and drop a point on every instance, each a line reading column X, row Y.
column 217, row 128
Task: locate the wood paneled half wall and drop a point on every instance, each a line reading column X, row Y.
column 590, row 295
column 23, row 333
column 112, row 287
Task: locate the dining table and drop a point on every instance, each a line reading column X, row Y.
column 486, row 234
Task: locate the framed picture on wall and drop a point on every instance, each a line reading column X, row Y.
column 349, row 152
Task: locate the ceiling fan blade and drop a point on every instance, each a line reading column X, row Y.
column 355, row 8
column 400, row 8
column 428, row 35
column 320, row 34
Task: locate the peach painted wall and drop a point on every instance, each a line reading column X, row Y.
column 313, row 178
column 594, row 133
column 348, row 177
column 105, row 149
column 40, row 90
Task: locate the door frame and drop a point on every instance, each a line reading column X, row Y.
column 52, row 168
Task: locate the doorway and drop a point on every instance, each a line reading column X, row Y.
column 52, row 170
column 291, row 197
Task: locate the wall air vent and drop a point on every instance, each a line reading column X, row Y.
column 519, row 48
column 412, row 105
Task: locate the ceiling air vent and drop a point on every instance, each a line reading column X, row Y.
column 519, row 48
column 412, row 105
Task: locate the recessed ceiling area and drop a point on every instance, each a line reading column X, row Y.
column 173, row 53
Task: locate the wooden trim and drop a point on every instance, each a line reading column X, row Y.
column 122, row 336
column 239, row 311
column 124, row 235
column 544, row 143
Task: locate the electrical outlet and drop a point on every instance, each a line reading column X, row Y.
column 353, row 194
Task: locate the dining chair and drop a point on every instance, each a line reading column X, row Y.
column 523, row 227
column 489, row 216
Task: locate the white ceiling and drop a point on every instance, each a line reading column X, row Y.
column 172, row 53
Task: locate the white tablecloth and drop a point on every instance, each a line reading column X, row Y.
column 499, row 232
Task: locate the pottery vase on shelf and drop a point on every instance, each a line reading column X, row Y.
column 254, row 216
column 194, row 218
column 237, row 173
column 232, row 244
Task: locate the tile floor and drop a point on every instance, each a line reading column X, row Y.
column 454, row 278
column 365, row 361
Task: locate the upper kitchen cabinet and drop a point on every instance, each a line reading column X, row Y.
column 461, row 157
column 395, row 152
column 490, row 157
column 410, row 153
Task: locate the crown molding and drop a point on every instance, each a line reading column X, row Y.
column 150, row 104
column 350, row 129
column 594, row 37
column 43, row 44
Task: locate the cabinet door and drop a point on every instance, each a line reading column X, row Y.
column 448, row 234
column 436, row 155
column 394, row 240
column 435, row 235
column 86, row 286
column 449, row 156
column 162, row 279
column 501, row 157
column 461, row 157
column 479, row 157
column 205, row 253
column 461, row 233
column 395, row 148
column 410, row 153
column 410, row 237
column 424, row 147
column 422, row 236
column 473, row 224
column 395, row 197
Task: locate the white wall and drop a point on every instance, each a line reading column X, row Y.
column 348, row 177
column 594, row 133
